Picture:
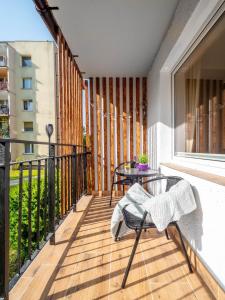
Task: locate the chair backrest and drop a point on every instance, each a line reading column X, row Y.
column 171, row 181
column 122, row 164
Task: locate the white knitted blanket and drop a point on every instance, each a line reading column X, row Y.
column 162, row 209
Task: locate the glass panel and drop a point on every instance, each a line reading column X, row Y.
column 26, row 61
column 28, row 148
column 199, row 88
column 28, row 126
column 27, row 83
column 28, row 105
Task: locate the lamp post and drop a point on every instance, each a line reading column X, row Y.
column 49, row 131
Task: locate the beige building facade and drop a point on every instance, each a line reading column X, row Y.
column 27, row 94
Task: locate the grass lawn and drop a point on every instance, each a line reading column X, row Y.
column 14, row 174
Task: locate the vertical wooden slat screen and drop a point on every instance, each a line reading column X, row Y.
column 69, row 107
column 115, row 109
column 70, row 97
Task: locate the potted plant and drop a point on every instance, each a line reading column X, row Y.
column 143, row 162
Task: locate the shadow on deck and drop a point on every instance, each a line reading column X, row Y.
column 87, row 263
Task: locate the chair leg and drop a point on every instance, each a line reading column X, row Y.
column 123, row 190
column 110, row 203
column 118, row 230
column 131, row 258
column 184, row 248
column 167, row 234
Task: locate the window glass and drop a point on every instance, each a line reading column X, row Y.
column 28, row 148
column 28, row 105
column 2, row 61
column 27, row 83
column 28, row 126
column 199, row 90
column 26, row 61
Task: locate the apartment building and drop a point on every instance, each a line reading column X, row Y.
column 27, row 94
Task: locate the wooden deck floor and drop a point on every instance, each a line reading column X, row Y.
column 93, row 266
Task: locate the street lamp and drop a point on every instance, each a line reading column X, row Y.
column 49, row 131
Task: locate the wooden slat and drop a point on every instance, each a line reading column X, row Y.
column 144, row 86
column 124, row 120
column 111, row 117
column 118, row 122
column 105, row 132
column 92, row 133
column 131, row 118
column 98, row 107
column 138, row 126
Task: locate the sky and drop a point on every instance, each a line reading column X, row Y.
column 22, row 23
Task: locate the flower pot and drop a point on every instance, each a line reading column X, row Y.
column 143, row 167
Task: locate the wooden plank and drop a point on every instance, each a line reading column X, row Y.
column 138, row 125
column 144, row 87
column 118, row 122
column 92, row 134
column 124, row 120
column 105, row 132
column 87, row 263
column 131, row 118
column 98, row 107
column 111, row 118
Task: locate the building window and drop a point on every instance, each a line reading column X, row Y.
column 2, row 61
column 4, row 108
column 28, row 126
column 199, row 95
column 26, row 61
column 28, row 105
column 27, row 83
column 28, row 148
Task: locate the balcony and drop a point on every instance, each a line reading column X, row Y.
column 149, row 88
column 4, row 110
column 3, row 62
column 3, row 86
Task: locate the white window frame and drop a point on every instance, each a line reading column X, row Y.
column 31, row 148
column 199, row 158
column 22, row 58
column 29, row 101
column 24, row 130
column 31, row 80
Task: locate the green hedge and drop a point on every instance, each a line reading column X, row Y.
column 14, row 221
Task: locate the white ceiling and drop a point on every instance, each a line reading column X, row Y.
column 114, row 37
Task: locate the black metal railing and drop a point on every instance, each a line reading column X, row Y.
column 35, row 196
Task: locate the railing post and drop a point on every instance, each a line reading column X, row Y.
column 74, row 178
column 85, row 169
column 4, row 219
column 51, row 192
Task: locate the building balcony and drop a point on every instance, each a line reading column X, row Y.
column 3, row 86
column 4, row 110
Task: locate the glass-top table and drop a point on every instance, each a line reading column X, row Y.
column 135, row 174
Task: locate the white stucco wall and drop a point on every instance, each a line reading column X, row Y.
column 204, row 229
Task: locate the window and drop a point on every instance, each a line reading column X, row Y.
column 28, row 148
column 28, row 105
column 28, row 126
column 26, row 61
column 27, row 83
column 4, row 108
column 2, row 61
column 199, row 98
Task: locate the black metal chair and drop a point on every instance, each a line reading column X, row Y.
column 138, row 224
column 125, row 181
